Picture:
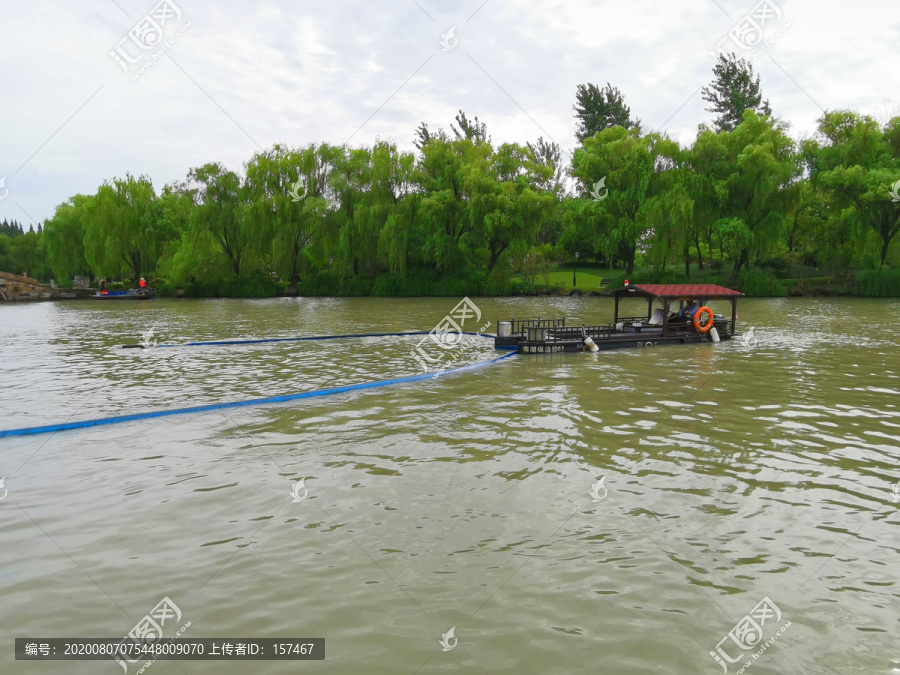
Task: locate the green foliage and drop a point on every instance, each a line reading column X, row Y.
column 462, row 216
column 778, row 265
column 425, row 282
column 256, row 285
column 597, row 109
column 123, row 233
column 855, row 165
column 758, row 284
column 284, row 225
column 220, row 198
column 733, row 91
column 471, row 130
column 648, row 276
column 24, row 255
column 629, row 174
column 11, row 229
column 878, row 284
column 747, row 186
column 64, row 238
column 323, row 283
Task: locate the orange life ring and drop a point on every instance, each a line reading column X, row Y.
column 709, row 322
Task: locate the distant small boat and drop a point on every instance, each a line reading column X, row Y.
column 133, row 294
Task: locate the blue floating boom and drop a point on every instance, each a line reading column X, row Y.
column 303, row 339
column 52, row 428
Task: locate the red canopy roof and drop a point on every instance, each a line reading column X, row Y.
column 681, row 290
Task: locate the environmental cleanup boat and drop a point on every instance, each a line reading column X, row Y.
column 694, row 320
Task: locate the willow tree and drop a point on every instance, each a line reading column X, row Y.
column 856, row 163
column 219, row 211
column 64, row 238
column 507, row 204
column 756, row 165
column 286, row 204
column 627, row 171
column 122, row 231
column 670, row 211
column 392, row 203
column 357, row 235
column 448, row 171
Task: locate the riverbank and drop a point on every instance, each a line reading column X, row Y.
column 561, row 282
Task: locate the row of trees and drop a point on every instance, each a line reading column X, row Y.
column 744, row 191
column 461, row 205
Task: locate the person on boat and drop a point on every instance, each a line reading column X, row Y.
column 143, row 283
column 103, row 286
column 690, row 310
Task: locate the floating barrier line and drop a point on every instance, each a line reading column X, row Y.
column 303, row 339
column 28, row 431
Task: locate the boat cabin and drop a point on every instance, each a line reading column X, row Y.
column 676, row 313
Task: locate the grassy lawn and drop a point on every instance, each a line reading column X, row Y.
column 588, row 279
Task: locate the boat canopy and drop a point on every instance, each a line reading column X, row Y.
column 677, row 291
column 669, row 293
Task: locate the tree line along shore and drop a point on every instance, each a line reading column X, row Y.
column 745, row 204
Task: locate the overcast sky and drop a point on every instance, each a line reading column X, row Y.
column 233, row 77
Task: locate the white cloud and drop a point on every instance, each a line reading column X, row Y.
column 310, row 72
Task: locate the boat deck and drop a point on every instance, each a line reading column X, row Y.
column 562, row 338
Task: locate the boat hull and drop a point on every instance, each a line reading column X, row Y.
column 555, row 347
column 124, row 296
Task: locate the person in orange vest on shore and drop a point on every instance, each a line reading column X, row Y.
column 143, row 283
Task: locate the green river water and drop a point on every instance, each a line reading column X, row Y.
column 754, row 478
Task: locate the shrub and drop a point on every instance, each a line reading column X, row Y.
column 256, row 285
column 522, row 288
column 357, row 287
column 165, row 290
column 319, row 283
column 717, row 264
column 778, row 265
column 878, row 284
column 758, row 284
column 422, row 281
